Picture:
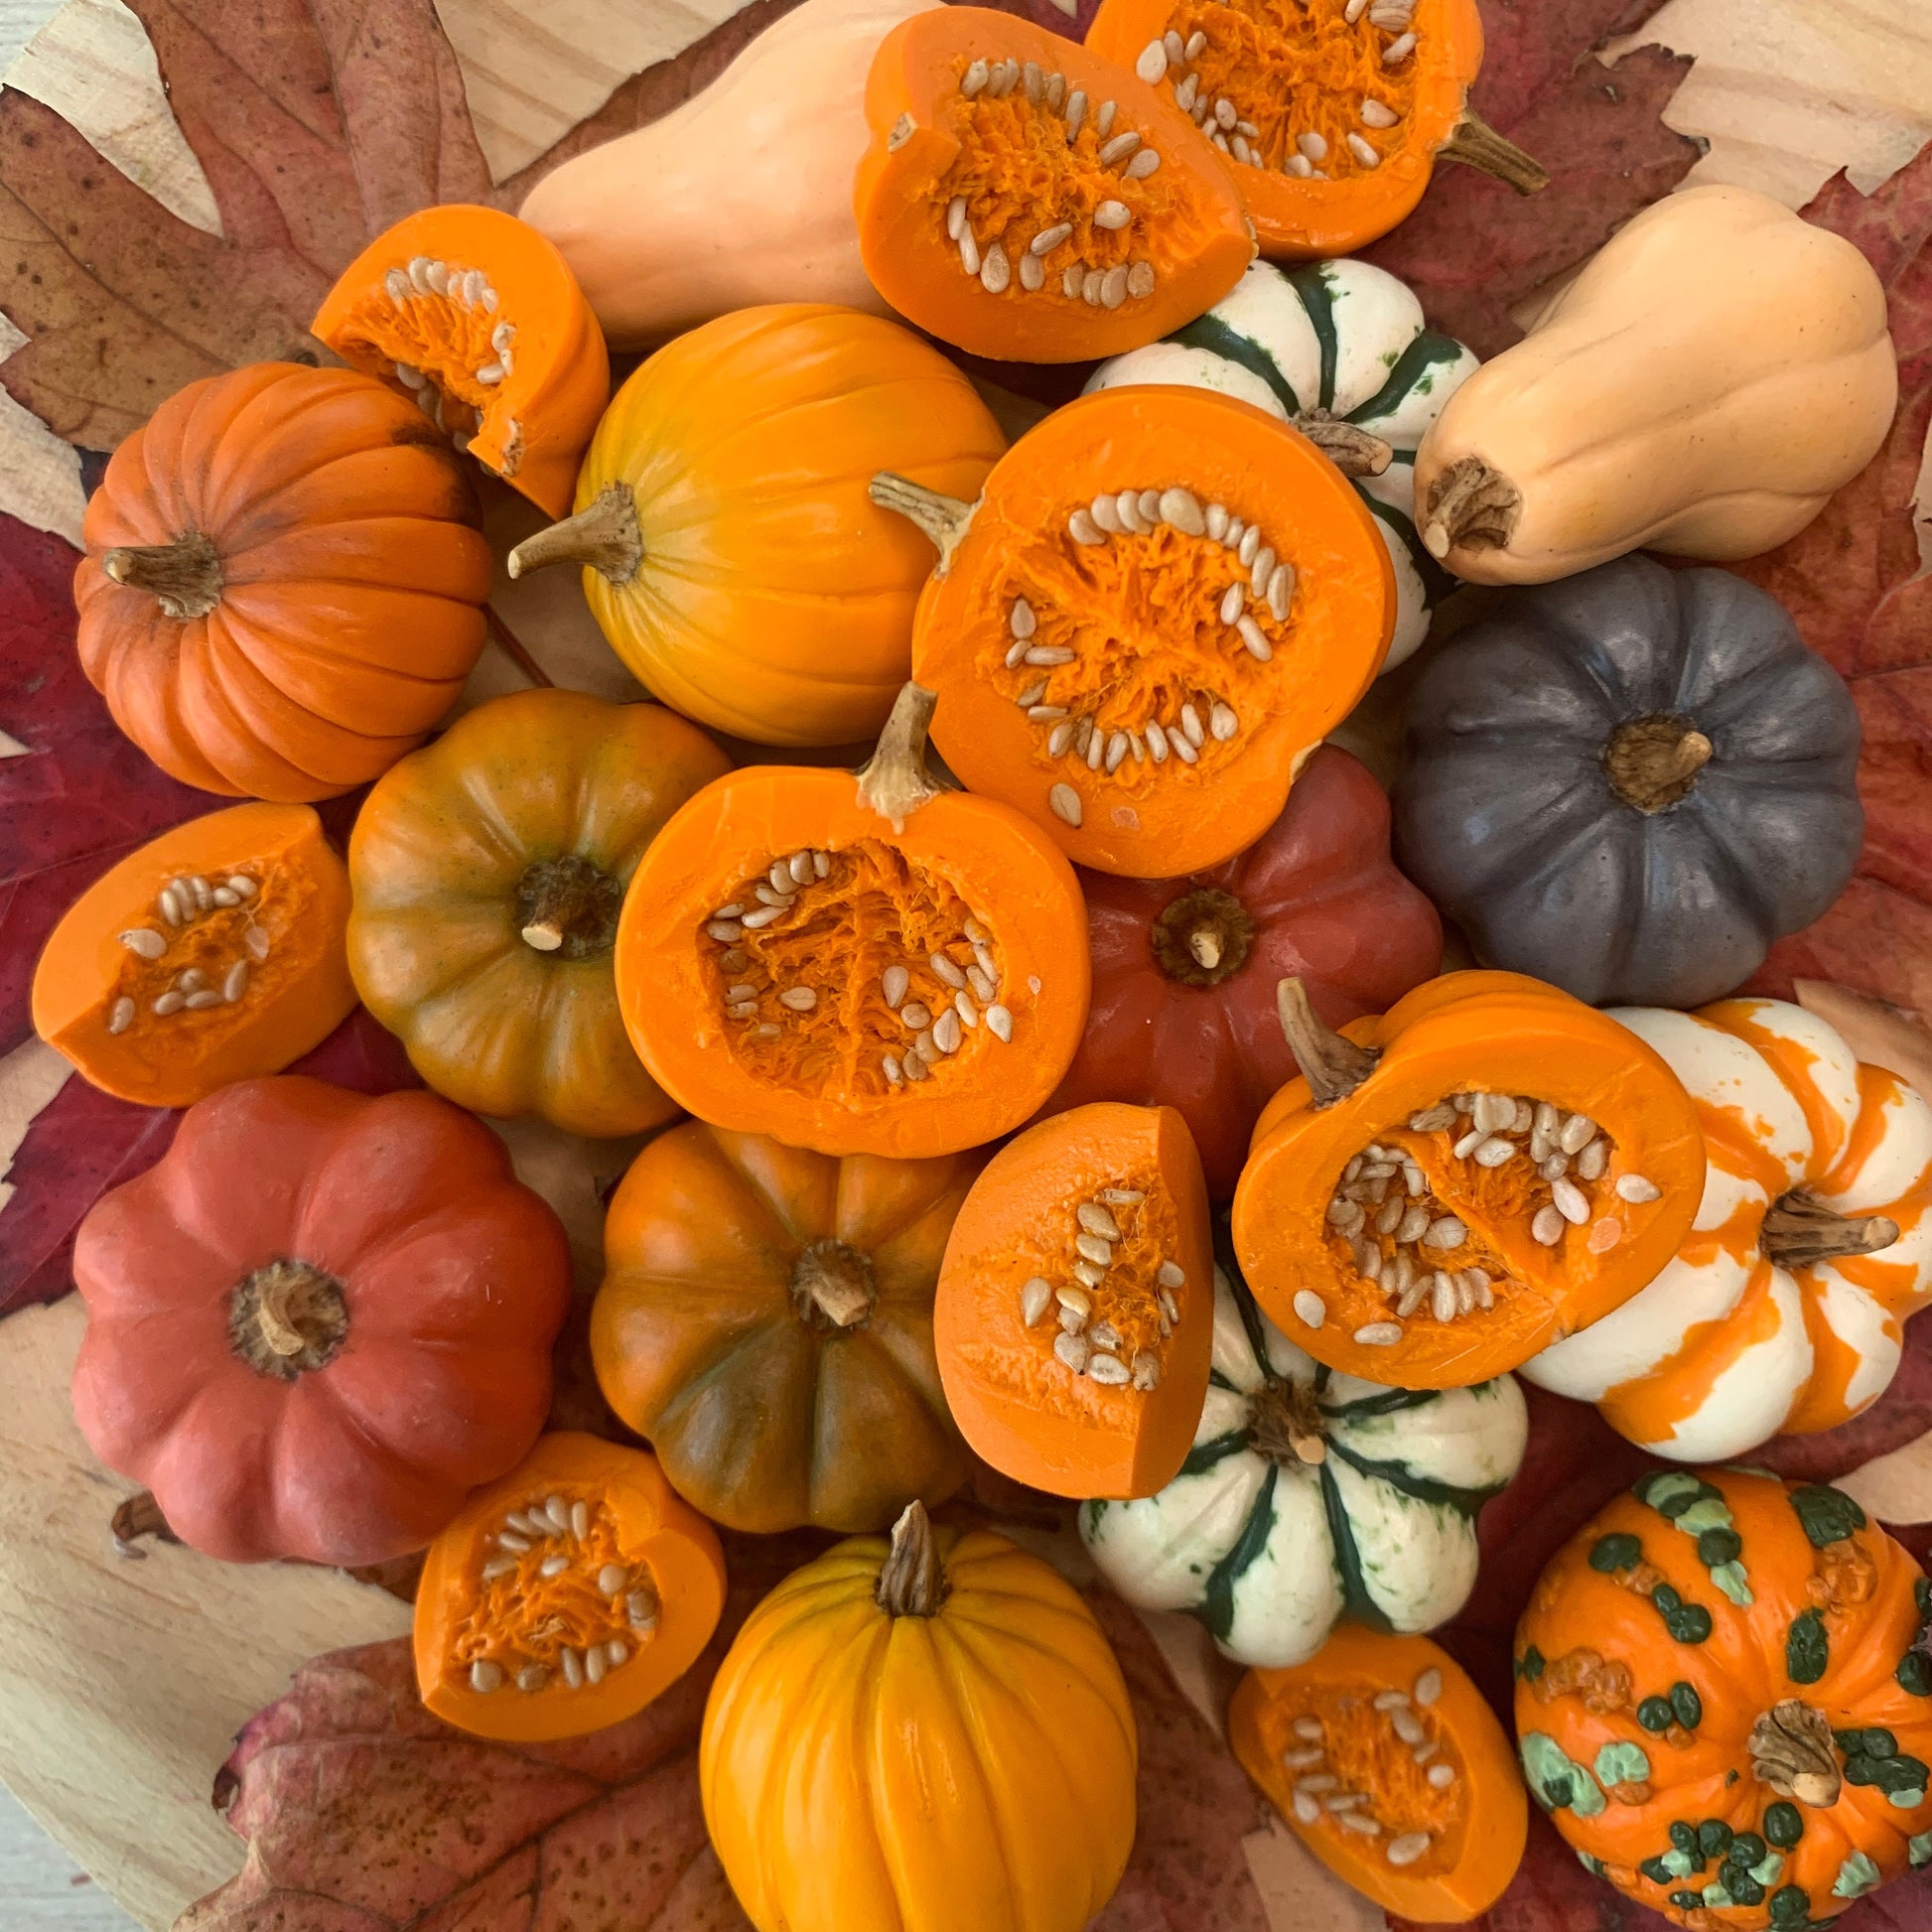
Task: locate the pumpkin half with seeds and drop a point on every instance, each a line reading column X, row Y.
column 475, row 317
column 856, row 965
column 565, row 1596
column 1332, row 112
column 1486, row 1167
column 1022, row 199
column 1391, row 1768
column 1162, row 603
column 1724, row 1699
column 1075, row 1320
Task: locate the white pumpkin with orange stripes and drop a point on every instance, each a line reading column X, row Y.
column 1782, row 1311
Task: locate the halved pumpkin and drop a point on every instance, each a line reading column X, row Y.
column 1161, row 602
column 1076, row 1316
column 1024, row 199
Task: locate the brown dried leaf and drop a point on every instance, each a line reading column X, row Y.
column 1884, row 1036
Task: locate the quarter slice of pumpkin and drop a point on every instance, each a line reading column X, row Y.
column 1161, row 601
column 1021, row 198
column 1075, row 1315
column 1390, row 1767
column 566, row 1597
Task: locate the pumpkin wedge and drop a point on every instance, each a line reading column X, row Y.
column 1332, row 113
column 1487, row 1166
column 1075, row 1315
column 869, row 965
column 1160, row 605
column 1024, row 199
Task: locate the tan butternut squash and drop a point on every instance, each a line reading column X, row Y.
column 1714, row 374
column 741, row 195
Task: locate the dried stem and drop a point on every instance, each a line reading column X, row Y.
column 913, row 1580
column 1202, row 937
column 834, row 1281
column 1354, row 451
column 603, row 536
column 1470, row 506
column 137, row 1516
column 1792, row 1750
column 1333, row 1065
column 945, row 519
column 1799, row 1232
column 894, row 781
column 569, row 905
column 1474, row 143
column 184, row 577
column 515, row 651
column 1288, row 1424
column 287, row 1319
column 1654, row 762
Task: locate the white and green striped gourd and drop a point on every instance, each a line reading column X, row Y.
column 1310, row 1496
column 1330, row 347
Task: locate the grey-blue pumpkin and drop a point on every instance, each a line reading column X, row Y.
column 1632, row 781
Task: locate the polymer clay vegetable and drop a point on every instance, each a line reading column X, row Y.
column 1159, row 605
column 881, row 1674
column 1024, row 199
column 1486, row 1167
column 766, row 1321
column 212, row 953
column 859, row 966
column 1782, row 1311
column 1339, row 348
column 1631, row 783
column 729, row 550
column 743, row 195
column 319, row 1322
column 1074, row 1318
column 475, row 317
column 565, row 1596
column 1393, row 1723
column 283, row 583
column 1310, row 1500
column 1717, row 369
column 1185, row 970
column 489, row 869
column 1722, row 1700
column 1332, row 121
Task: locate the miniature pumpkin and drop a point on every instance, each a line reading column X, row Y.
column 1719, row 368
column 1156, row 609
column 766, row 1321
column 282, row 585
column 740, row 196
column 1394, row 1723
column 1185, row 970
column 476, row 318
column 858, row 966
column 212, row 953
column 1722, row 1700
column 1331, row 122
column 319, row 1322
column 489, row 869
column 729, row 551
column 1310, row 1497
column 1075, row 1312
column 1024, row 199
column 1782, row 1309
column 1445, row 1190
column 565, row 1596
column 1338, row 349
column 881, row 1676
column 1631, row 783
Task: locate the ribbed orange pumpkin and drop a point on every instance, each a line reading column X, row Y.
column 282, row 587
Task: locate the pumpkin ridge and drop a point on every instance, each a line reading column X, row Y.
column 1424, row 1489
column 1361, row 1599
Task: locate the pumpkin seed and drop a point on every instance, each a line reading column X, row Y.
column 1407, row 1848
column 1310, row 1307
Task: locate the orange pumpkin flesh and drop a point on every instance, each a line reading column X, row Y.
column 991, row 136
column 1332, row 114
column 565, row 1597
column 1385, row 1120
column 1436, row 1773
column 765, row 934
column 475, row 317
column 1145, row 695
column 213, row 954
column 1073, row 1359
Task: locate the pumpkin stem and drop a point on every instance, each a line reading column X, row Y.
column 1287, row 1424
column 1474, row 143
column 1793, row 1752
column 835, row 1282
column 1799, row 1232
column 603, row 536
column 913, row 1580
column 137, row 1516
column 1473, row 506
column 1202, row 937
column 184, row 577
column 287, row 1319
column 568, row 906
column 894, row 781
column 1654, row 762
column 1354, row 451
column 945, row 519
column 1333, row 1065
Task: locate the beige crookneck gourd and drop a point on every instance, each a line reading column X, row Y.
column 1719, row 368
